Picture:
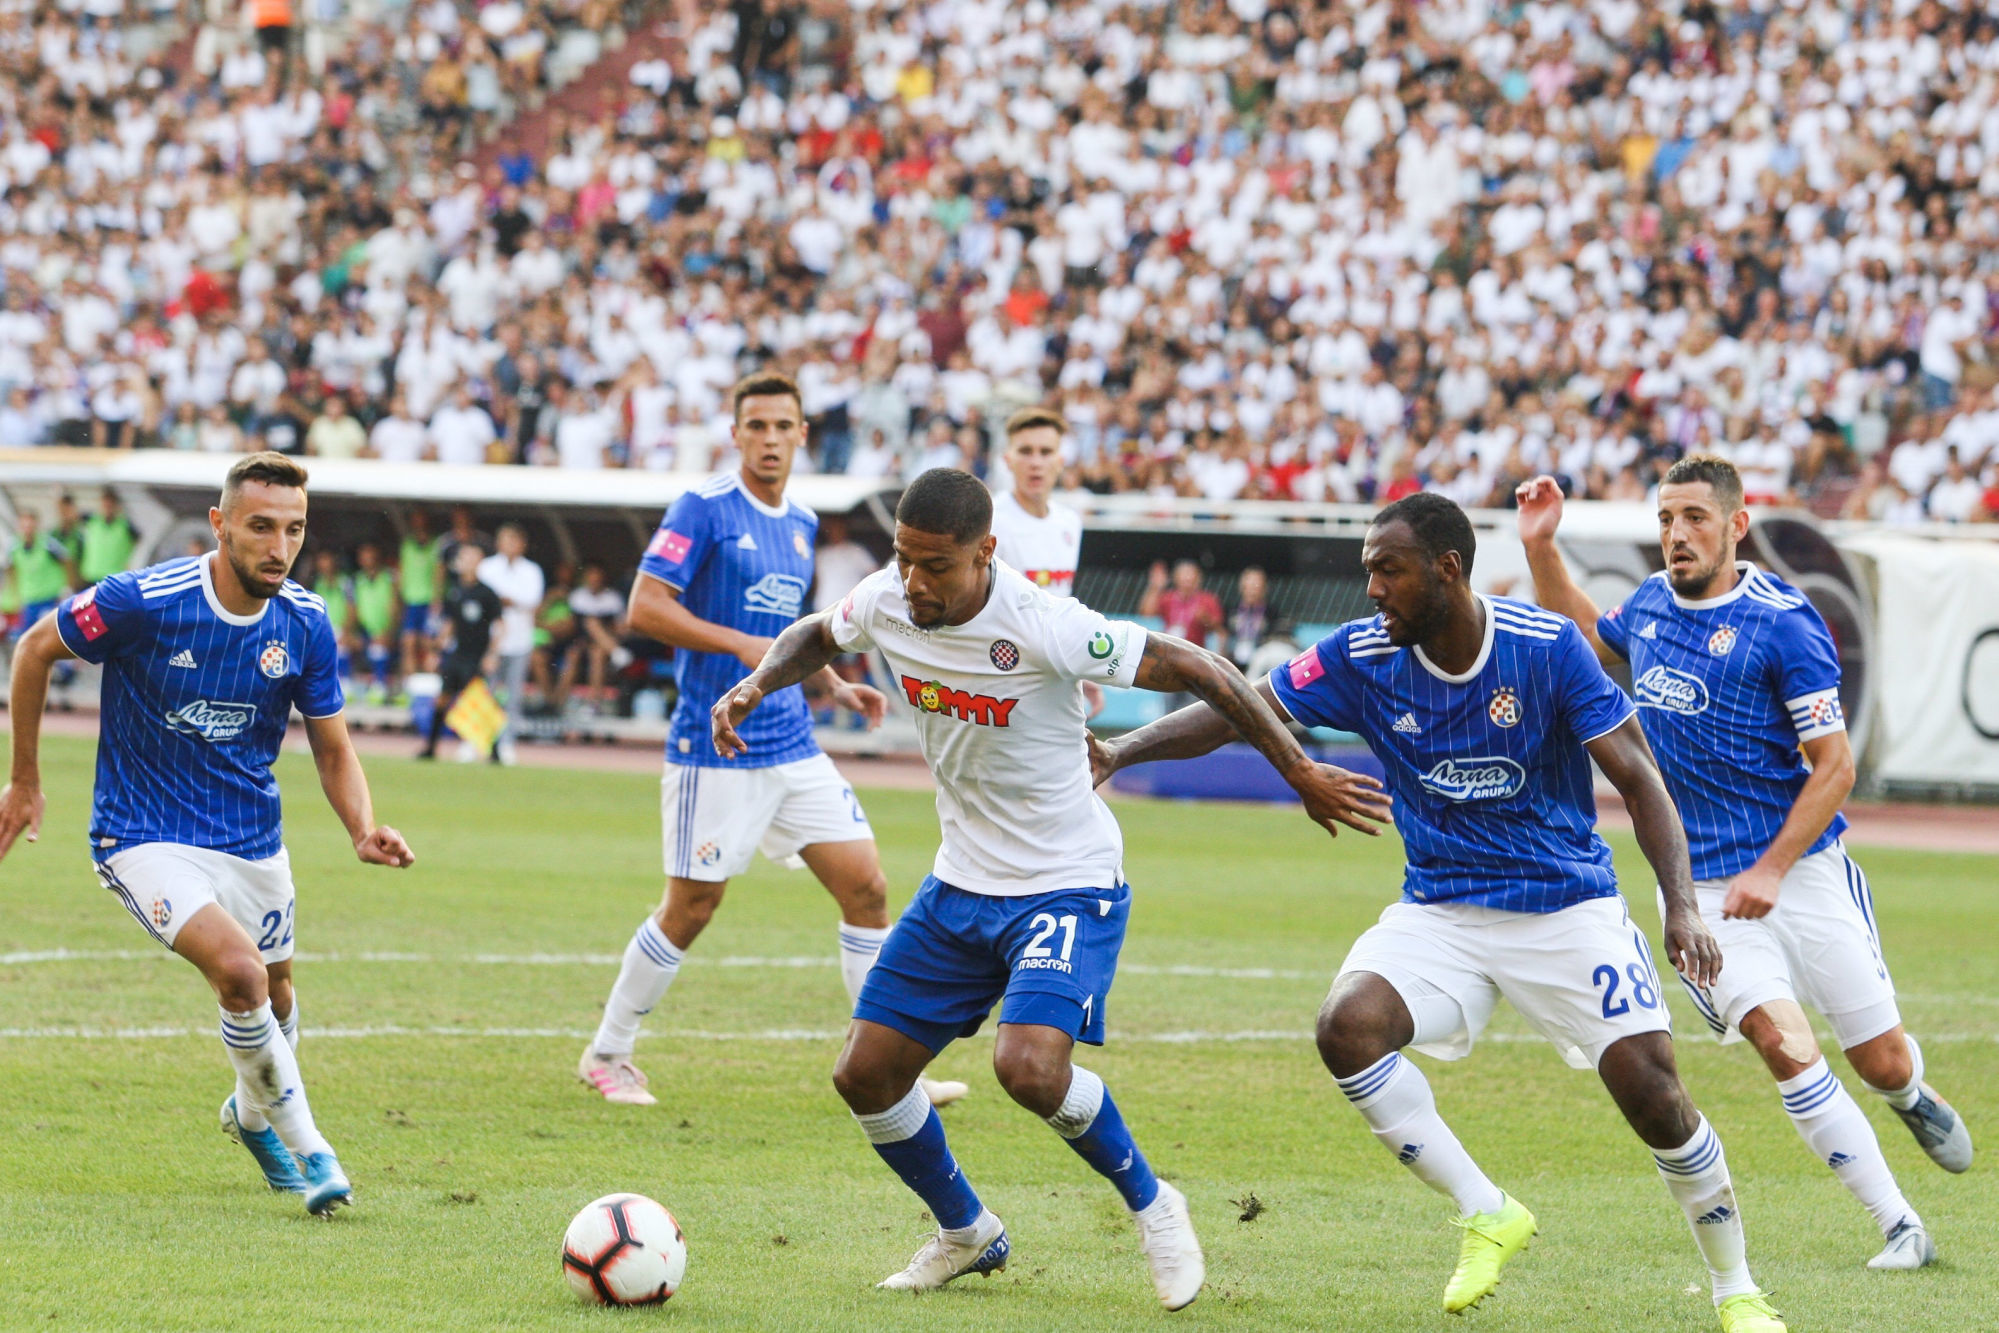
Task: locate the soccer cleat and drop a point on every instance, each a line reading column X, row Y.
column 616, row 1077
column 280, row 1168
column 326, row 1185
column 1939, row 1129
column 942, row 1259
column 1909, row 1247
column 1166, row 1235
column 1490, row 1240
column 942, row 1091
column 1751, row 1313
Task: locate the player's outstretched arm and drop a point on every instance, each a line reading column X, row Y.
column 801, row 651
column 1540, row 512
column 1233, row 707
column 346, row 788
column 1627, row 761
column 21, row 803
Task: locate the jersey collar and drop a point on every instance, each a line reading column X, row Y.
column 222, row 612
column 1484, row 650
column 779, row 512
column 1744, row 571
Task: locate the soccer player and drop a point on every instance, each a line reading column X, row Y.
column 204, row 659
column 729, row 568
column 1027, row 902
column 377, row 616
column 1485, row 714
column 472, row 613
column 419, row 567
column 1737, row 684
column 1039, row 538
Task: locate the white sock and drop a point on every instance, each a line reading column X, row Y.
column 1903, row 1098
column 651, row 963
column 1394, row 1098
column 1696, row 1175
column 247, row 1113
column 1836, row 1130
column 858, row 947
column 268, row 1071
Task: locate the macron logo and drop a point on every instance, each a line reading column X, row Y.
column 183, row 658
column 1407, row 725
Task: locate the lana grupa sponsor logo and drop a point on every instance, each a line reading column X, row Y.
column 1487, row 778
column 212, row 721
column 1674, row 691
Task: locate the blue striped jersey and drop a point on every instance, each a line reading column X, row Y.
column 735, row 561
column 1493, row 793
column 194, row 705
column 1727, row 688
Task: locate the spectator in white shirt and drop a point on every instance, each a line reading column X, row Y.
column 461, row 431
column 518, row 581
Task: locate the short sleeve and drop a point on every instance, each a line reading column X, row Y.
column 1806, row 664
column 1317, row 688
column 1613, row 629
column 318, row 693
column 104, row 621
column 849, row 617
column 1589, row 700
column 1083, row 644
column 676, row 552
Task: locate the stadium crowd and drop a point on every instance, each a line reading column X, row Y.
column 1256, row 249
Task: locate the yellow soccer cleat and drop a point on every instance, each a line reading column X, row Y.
column 1490, row 1240
column 1750, row 1314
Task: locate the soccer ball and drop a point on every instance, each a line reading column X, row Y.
column 624, row 1249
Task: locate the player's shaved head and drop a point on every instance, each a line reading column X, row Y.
column 947, row 502
column 1437, row 523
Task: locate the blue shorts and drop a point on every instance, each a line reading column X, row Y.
column 416, row 618
column 953, row 954
column 33, row 612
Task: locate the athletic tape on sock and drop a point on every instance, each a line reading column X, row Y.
column 1079, row 1108
column 899, row 1122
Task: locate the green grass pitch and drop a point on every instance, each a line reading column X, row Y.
column 441, row 1065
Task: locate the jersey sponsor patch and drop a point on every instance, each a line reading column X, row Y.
column 934, row 696
column 670, row 546
column 216, row 721
column 1674, row 691
column 1486, row 778
column 88, row 618
column 776, row 594
column 1306, row 668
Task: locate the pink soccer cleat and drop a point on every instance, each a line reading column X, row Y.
column 616, row 1077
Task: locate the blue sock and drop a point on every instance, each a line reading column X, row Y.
column 378, row 662
column 1089, row 1120
column 910, row 1138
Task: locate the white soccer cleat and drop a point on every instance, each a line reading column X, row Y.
column 1166, row 1235
column 942, row 1091
column 942, row 1259
column 1909, row 1247
column 616, row 1077
column 1939, row 1129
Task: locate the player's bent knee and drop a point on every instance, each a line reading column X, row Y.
column 1642, row 1078
column 1782, row 1035
column 1036, row 1080
column 240, row 981
column 1884, row 1062
column 1362, row 1020
column 867, row 1088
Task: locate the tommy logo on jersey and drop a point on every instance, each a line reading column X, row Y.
column 218, row 721
column 1487, row 778
column 1721, row 641
column 1004, row 654
column 1674, row 691
column 1504, row 709
column 274, row 661
column 936, row 697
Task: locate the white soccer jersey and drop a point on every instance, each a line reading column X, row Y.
column 1001, row 724
column 1044, row 550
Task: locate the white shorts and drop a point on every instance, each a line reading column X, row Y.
column 716, row 819
column 1818, row 946
column 1583, row 977
column 163, row 885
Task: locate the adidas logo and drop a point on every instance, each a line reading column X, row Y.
column 1837, row 1160
column 1715, row 1218
column 183, row 658
column 1410, row 1152
column 746, row 543
column 1407, row 725
column 1651, row 630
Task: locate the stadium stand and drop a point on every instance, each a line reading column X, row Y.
column 1312, row 251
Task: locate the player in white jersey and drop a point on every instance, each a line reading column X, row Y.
column 1737, row 684
column 1038, row 537
column 204, row 660
column 1026, row 904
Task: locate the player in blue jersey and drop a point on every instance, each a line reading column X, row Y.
column 204, row 660
column 1737, row 683
column 1485, row 714
column 727, row 571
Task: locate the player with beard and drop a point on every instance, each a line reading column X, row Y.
column 1737, row 684
column 204, row 659
column 1485, row 714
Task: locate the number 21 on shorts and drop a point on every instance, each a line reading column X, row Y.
column 1644, row 983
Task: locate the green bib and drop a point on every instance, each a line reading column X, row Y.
column 333, row 592
column 39, row 575
column 107, row 548
column 375, row 602
column 419, row 566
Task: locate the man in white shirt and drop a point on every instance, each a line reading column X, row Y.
column 396, row 438
column 1027, row 903
column 518, row 581
column 1037, row 536
column 461, row 430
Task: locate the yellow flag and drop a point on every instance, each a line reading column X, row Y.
column 477, row 716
